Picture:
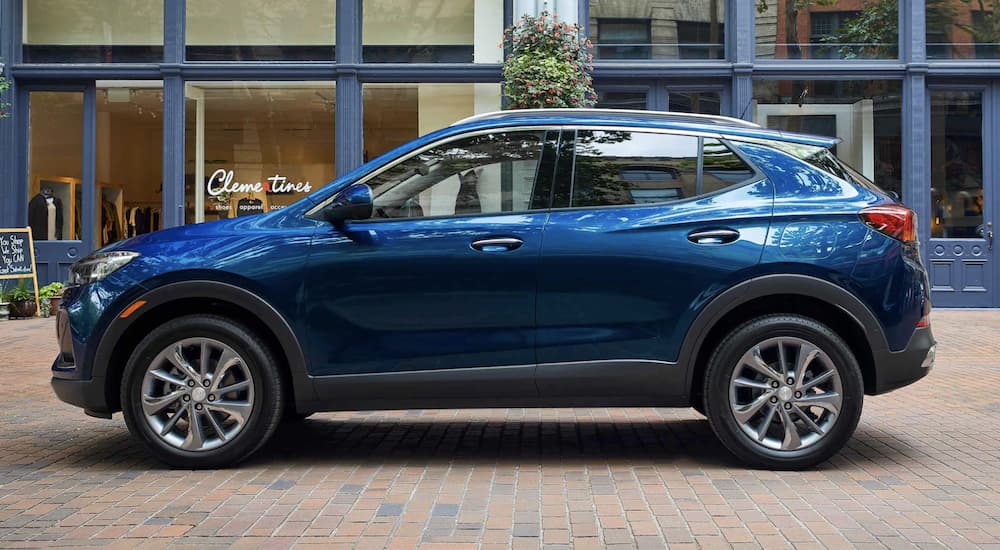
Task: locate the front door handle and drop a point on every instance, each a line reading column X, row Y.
column 713, row 236
column 497, row 244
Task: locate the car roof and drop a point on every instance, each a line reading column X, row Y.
column 714, row 124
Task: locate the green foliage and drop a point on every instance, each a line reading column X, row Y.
column 20, row 293
column 873, row 33
column 50, row 290
column 987, row 30
column 547, row 64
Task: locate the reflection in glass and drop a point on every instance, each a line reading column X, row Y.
column 705, row 103
column 957, row 164
column 431, row 31
column 827, row 29
column 672, row 29
column 487, row 173
column 621, row 100
column 253, row 147
column 963, row 29
column 55, row 165
column 92, row 31
column 615, row 167
column 865, row 115
column 260, row 30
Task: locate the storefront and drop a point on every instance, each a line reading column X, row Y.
column 134, row 115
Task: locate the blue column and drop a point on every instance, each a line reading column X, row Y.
column 173, row 150
column 349, row 128
column 916, row 109
column 11, row 154
column 90, row 200
column 741, row 39
column 173, row 113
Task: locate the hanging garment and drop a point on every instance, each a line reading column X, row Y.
column 111, row 228
column 38, row 218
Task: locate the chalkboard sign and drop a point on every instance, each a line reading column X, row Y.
column 16, row 254
column 17, row 258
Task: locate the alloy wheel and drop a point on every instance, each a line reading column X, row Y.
column 197, row 394
column 785, row 393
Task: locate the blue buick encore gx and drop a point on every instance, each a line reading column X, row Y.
column 546, row 258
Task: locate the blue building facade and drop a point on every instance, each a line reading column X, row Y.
column 132, row 115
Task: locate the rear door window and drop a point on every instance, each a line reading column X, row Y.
column 624, row 167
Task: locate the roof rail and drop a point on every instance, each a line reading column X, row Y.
column 662, row 115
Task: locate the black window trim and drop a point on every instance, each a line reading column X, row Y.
column 757, row 176
column 316, row 212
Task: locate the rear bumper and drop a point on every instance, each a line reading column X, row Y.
column 897, row 369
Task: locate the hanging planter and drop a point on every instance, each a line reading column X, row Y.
column 547, row 65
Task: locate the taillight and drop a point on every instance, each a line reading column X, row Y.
column 924, row 321
column 893, row 220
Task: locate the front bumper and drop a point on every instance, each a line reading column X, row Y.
column 894, row 370
column 67, row 381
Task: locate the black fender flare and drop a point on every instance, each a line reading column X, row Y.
column 302, row 384
column 770, row 285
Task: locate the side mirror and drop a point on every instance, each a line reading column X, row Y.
column 355, row 202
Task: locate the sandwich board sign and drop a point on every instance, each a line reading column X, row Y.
column 17, row 257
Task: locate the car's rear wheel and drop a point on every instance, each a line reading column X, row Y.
column 783, row 392
column 202, row 392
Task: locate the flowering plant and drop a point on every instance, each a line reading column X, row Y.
column 547, row 64
column 4, row 85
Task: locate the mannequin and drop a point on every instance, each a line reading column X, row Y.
column 45, row 216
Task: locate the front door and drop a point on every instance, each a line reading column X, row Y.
column 963, row 152
column 442, row 280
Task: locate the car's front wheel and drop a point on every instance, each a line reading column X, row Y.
column 202, row 392
column 783, row 392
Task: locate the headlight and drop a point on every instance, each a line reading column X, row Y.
column 97, row 266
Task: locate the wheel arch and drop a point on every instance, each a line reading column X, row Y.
column 176, row 299
column 805, row 295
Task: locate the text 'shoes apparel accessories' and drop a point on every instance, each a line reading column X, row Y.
column 246, row 207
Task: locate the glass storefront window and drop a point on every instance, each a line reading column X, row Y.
column 827, row 29
column 93, row 31
column 647, row 29
column 55, row 165
column 621, row 100
column 704, row 103
column 866, row 115
column 397, row 113
column 253, row 147
column 129, row 164
column 260, row 30
column 962, row 29
column 957, row 165
column 432, row 31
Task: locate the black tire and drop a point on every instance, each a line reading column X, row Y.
column 727, row 357
column 268, row 397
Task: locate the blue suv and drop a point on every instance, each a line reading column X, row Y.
column 550, row 258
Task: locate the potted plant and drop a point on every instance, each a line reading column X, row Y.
column 22, row 301
column 547, row 64
column 49, row 297
column 4, row 302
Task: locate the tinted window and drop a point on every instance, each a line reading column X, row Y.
column 487, row 173
column 620, row 167
column 722, row 167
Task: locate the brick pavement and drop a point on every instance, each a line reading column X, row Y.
column 922, row 471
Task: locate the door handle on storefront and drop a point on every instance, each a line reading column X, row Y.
column 989, row 236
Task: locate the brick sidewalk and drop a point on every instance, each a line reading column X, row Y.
column 922, row 471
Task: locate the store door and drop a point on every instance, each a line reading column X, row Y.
column 54, row 190
column 963, row 147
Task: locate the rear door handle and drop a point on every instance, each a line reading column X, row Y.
column 713, row 236
column 497, row 244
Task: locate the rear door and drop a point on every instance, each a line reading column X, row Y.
column 646, row 227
